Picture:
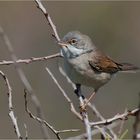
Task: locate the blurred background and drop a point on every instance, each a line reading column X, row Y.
column 113, row 26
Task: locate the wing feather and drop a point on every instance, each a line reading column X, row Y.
column 102, row 63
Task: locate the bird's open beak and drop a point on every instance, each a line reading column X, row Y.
column 63, row 44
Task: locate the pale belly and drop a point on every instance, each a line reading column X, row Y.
column 80, row 72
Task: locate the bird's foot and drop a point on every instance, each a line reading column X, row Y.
column 86, row 101
column 82, row 108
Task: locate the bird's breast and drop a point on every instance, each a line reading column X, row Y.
column 80, row 72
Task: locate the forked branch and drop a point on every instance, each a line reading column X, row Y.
column 123, row 116
column 49, row 19
column 56, row 132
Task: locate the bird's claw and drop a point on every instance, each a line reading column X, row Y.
column 82, row 108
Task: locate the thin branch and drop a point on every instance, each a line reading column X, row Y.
column 56, row 132
column 98, row 114
column 72, row 108
column 67, row 78
column 10, row 104
column 85, row 119
column 30, row 60
column 37, row 118
column 123, row 116
column 50, row 22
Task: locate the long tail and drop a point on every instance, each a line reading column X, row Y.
column 126, row 67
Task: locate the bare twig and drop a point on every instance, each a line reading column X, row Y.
column 11, row 109
column 24, row 80
column 37, row 118
column 68, row 79
column 30, row 60
column 123, row 116
column 85, row 119
column 56, row 132
column 72, row 108
column 50, row 22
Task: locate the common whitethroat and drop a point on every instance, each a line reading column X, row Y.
column 87, row 65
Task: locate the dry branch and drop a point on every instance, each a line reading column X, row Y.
column 50, row 22
column 85, row 119
column 123, row 116
column 30, row 60
column 72, row 108
column 56, row 132
column 98, row 114
column 10, row 105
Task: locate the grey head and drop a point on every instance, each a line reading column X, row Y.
column 76, row 44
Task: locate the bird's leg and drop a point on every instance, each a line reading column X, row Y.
column 79, row 95
column 78, row 91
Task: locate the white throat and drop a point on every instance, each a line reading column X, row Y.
column 73, row 52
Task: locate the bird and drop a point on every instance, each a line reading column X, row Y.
column 86, row 65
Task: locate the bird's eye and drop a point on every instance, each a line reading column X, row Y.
column 73, row 41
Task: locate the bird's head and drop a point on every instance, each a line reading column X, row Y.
column 75, row 44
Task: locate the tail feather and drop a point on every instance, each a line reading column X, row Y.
column 128, row 67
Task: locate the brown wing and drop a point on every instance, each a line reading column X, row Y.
column 102, row 63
